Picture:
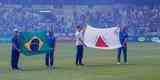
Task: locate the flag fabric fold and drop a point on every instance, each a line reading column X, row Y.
column 106, row 38
column 33, row 43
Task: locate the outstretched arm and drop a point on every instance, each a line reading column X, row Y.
column 82, row 42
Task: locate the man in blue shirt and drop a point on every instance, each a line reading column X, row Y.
column 123, row 40
column 50, row 54
column 15, row 50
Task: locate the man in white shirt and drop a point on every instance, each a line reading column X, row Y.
column 79, row 44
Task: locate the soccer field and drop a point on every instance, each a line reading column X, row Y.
column 144, row 64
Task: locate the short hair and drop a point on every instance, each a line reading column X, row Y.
column 78, row 27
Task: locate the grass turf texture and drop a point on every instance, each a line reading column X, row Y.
column 144, row 64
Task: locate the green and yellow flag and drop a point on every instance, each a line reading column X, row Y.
column 33, row 43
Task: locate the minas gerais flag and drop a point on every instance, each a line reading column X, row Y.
column 102, row 38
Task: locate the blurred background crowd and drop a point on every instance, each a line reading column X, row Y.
column 141, row 20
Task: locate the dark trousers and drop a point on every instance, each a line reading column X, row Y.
column 15, row 59
column 79, row 54
column 124, row 50
column 49, row 58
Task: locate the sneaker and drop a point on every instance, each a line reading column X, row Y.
column 118, row 63
column 126, row 63
column 17, row 69
column 81, row 64
column 77, row 64
column 20, row 69
column 50, row 67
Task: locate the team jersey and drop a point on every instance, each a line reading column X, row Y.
column 123, row 36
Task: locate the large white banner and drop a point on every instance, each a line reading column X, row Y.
column 106, row 38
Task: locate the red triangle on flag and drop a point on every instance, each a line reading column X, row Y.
column 100, row 42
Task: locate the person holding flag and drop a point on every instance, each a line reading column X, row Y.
column 123, row 36
column 80, row 45
column 51, row 41
column 15, row 50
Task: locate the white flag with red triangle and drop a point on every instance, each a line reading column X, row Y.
column 106, row 38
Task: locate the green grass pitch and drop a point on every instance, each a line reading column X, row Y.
column 144, row 64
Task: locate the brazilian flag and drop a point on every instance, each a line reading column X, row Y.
column 33, row 43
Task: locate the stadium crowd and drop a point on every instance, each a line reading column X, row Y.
column 140, row 20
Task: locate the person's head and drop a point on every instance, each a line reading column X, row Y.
column 16, row 32
column 117, row 25
column 78, row 28
column 123, row 29
column 50, row 31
